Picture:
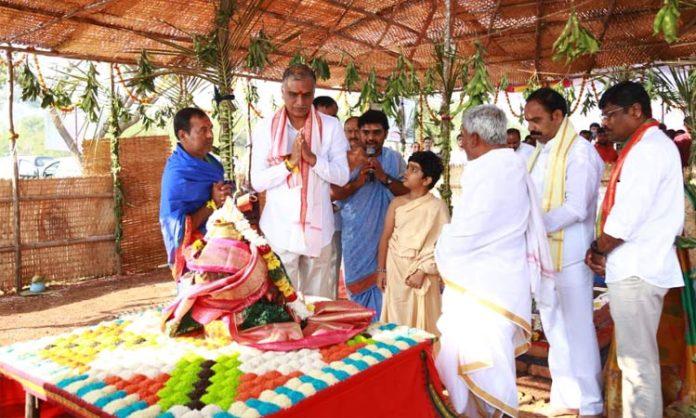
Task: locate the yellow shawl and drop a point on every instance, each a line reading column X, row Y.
column 555, row 182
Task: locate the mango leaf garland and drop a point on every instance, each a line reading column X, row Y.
column 89, row 99
column 259, row 48
column 144, row 79
column 667, row 21
column 297, row 59
column 31, row 89
column 574, row 41
column 321, row 68
column 479, row 88
column 352, row 77
column 369, row 92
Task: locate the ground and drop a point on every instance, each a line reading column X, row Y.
column 65, row 307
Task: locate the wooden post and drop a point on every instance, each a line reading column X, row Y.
column 15, row 181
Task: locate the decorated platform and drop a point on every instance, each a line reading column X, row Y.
column 127, row 368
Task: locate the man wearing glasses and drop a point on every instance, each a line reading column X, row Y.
column 365, row 200
column 642, row 213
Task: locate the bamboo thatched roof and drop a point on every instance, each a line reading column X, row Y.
column 518, row 34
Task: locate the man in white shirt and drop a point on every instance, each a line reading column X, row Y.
column 296, row 155
column 514, row 141
column 642, row 213
column 492, row 256
column 566, row 171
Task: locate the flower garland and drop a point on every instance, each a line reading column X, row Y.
column 507, row 99
column 594, row 91
column 276, row 270
column 145, row 100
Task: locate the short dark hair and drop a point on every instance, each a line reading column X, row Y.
column 514, row 131
column 549, row 99
column 430, row 164
column 324, row 101
column 182, row 119
column 585, row 131
column 298, row 72
column 374, row 116
column 595, row 124
column 601, row 130
column 625, row 94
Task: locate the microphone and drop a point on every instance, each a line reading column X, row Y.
column 370, row 151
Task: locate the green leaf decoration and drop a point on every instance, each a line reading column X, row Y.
column 574, row 41
column 667, row 21
column 144, row 80
column 297, row 59
column 259, row 49
column 479, row 87
column 89, row 102
column 27, row 80
column 369, row 92
column 352, row 77
column 321, row 68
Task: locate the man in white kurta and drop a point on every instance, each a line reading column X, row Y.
column 490, row 256
column 641, row 215
column 298, row 217
column 566, row 171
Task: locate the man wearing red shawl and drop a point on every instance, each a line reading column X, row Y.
column 296, row 155
column 642, row 213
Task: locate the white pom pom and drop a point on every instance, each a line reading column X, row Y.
column 282, row 401
column 210, row 410
column 178, row 411
column 267, row 395
column 238, row 408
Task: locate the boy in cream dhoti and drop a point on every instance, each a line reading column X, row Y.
column 406, row 264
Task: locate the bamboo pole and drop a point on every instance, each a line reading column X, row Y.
column 115, row 169
column 445, row 118
column 15, row 180
column 248, row 173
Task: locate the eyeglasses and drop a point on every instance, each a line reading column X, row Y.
column 606, row 116
column 375, row 132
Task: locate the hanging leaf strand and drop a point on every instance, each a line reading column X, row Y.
column 259, row 49
column 667, row 21
column 352, row 77
column 89, row 102
column 574, row 41
column 321, row 68
column 479, row 87
column 144, row 80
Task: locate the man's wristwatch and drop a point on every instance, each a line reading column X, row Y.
column 388, row 181
column 595, row 249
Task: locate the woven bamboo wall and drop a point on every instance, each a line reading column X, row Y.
column 96, row 157
column 67, row 229
column 142, row 162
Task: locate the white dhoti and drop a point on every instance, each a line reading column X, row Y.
column 573, row 350
column 492, row 256
column 477, row 356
